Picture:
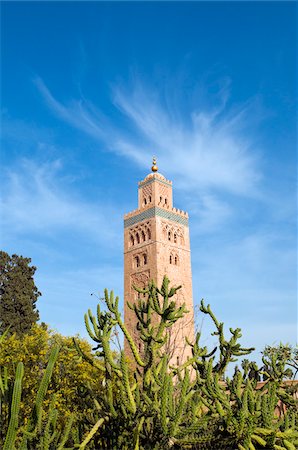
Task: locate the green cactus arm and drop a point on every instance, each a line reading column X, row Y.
column 87, row 358
column 130, row 342
column 124, row 368
column 96, row 329
column 92, row 433
column 289, row 445
column 110, row 398
column 15, row 407
column 139, row 290
column 259, row 440
column 137, row 434
column 66, row 432
column 178, row 413
column 35, row 419
column 3, row 381
column 88, row 328
column 155, row 302
column 51, row 415
column 164, row 404
column 46, row 379
column 109, row 356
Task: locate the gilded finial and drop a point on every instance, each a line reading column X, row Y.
column 154, row 168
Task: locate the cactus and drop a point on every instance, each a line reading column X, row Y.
column 40, row 433
column 34, row 422
column 14, row 410
column 146, row 403
column 149, row 404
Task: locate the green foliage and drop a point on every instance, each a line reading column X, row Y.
column 143, row 402
column 147, row 404
column 280, row 361
column 18, row 294
column 73, row 383
column 15, row 406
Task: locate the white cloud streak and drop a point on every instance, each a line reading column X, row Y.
column 34, row 199
column 201, row 149
column 206, row 151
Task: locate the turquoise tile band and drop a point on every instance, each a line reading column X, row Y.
column 155, row 211
column 145, row 183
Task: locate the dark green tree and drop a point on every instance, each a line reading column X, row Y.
column 18, row 294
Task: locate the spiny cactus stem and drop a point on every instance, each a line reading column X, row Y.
column 131, row 342
column 108, row 354
column 90, row 332
column 87, row 358
column 92, row 433
column 126, row 383
column 15, row 406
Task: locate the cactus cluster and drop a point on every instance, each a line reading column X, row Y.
column 146, row 403
column 40, row 431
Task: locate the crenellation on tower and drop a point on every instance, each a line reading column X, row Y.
column 156, row 243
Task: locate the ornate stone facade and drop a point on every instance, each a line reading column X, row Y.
column 156, row 243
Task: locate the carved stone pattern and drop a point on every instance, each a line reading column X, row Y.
column 140, row 279
column 163, row 195
column 146, row 193
column 163, row 190
column 145, row 228
column 173, row 229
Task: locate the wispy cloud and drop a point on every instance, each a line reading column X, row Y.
column 36, row 198
column 209, row 151
column 210, row 213
column 203, row 149
column 81, row 114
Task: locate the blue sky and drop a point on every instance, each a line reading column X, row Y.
column 90, row 91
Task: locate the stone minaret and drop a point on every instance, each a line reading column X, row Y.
column 156, row 242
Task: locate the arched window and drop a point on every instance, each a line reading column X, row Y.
column 178, row 361
column 149, row 234
column 176, row 260
column 171, row 259
column 166, row 201
column 169, row 236
column 150, row 198
column 145, row 259
column 160, row 199
column 132, row 241
column 143, row 236
column 175, row 238
column 145, row 201
column 138, row 238
column 137, row 261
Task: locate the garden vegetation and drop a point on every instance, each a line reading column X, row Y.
column 58, row 393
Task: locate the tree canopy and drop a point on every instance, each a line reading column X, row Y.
column 18, row 294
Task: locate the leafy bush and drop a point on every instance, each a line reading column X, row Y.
column 72, row 379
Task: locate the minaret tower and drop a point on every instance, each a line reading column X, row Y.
column 156, row 243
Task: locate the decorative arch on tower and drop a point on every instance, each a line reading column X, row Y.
column 173, row 233
column 139, row 234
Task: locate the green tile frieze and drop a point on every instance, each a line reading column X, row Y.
column 142, row 184
column 155, row 211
